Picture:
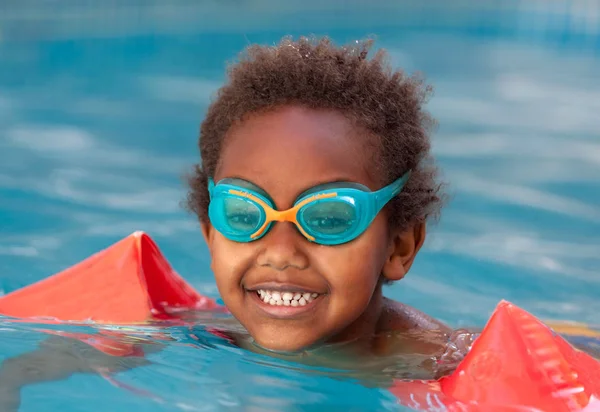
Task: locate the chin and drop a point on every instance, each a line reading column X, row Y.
column 289, row 344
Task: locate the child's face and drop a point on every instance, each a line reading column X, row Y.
column 286, row 152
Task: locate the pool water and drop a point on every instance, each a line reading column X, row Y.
column 99, row 115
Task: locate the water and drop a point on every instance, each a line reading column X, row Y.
column 99, row 116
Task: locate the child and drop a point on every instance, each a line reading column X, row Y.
column 314, row 191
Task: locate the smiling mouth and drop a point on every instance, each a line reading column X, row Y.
column 286, row 298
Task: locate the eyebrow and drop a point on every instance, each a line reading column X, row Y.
column 245, row 180
column 321, row 183
column 257, row 186
column 332, row 181
column 339, row 179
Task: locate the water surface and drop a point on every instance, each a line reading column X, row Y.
column 99, row 117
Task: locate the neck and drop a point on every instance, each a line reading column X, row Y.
column 367, row 324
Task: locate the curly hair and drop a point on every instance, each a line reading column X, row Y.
column 315, row 74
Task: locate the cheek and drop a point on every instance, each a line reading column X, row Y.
column 229, row 261
column 355, row 267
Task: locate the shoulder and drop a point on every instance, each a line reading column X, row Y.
column 397, row 316
column 404, row 329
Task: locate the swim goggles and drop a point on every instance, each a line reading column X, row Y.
column 329, row 214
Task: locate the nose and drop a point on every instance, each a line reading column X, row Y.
column 282, row 248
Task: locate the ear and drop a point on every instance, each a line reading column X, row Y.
column 403, row 248
column 207, row 230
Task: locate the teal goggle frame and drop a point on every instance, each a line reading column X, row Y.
column 329, row 214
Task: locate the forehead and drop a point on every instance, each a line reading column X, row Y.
column 293, row 149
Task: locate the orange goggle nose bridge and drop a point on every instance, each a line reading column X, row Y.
column 288, row 215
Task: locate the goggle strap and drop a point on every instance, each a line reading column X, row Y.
column 384, row 195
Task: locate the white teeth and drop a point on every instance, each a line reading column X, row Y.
column 278, row 298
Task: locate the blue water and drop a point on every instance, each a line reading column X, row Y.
column 99, row 117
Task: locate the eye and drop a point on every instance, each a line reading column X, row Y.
column 245, row 219
column 241, row 215
column 328, row 222
column 330, row 217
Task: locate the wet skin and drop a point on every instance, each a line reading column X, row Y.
column 286, row 152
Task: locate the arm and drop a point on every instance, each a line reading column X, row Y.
column 56, row 358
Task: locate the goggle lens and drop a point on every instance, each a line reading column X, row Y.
column 328, row 218
column 241, row 215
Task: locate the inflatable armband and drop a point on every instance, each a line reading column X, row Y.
column 128, row 282
column 516, row 364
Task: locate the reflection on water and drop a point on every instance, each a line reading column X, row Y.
column 211, row 361
column 192, row 362
column 99, row 115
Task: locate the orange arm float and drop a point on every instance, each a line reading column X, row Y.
column 129, row 282
column 516, row 364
